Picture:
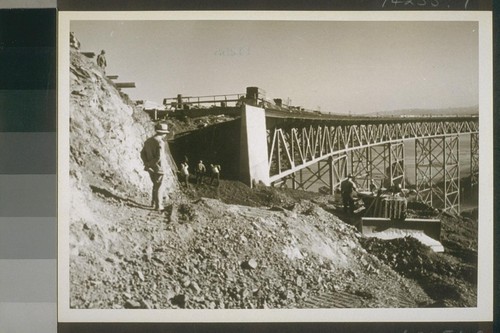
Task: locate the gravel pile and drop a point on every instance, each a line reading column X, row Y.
column 447, row 280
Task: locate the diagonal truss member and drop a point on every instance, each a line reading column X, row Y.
column 396, row 168
column 360, row 166
column 437, row 172
column 326, row 173
column 383, row 163
column 379, row 162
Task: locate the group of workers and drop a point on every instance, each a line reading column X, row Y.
column 154, row 158
column 200, row 172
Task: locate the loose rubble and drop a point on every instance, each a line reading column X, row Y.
column 448, row 281
column 229, row 257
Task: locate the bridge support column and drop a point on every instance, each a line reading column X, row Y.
column 396, row 163
column 452, row 174
column 437, row 172
column 423, row 170
column 378, row 157
column 254, row 163
column 360, row 166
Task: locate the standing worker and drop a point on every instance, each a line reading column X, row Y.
column 373, row 187
column 200, row 171
column 101, row 61
column 185, row 173
column 215, row 168
column 155, row 161
column 347, row 188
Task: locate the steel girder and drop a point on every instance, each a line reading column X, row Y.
column 311, row 155
column 437, row 172
column 296, row 146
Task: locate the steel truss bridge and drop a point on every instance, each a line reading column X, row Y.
column 311, row 151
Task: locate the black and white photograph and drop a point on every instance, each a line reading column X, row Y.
column 259, row 166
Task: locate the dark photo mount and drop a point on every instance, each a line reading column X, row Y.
column 347, row 327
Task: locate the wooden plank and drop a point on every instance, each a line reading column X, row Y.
column 88, row 54
column 125, row 85
column 376, row 219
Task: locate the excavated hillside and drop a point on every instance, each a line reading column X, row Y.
column 225, row 247
column 106, row 136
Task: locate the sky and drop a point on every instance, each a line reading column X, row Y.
column 334, row 66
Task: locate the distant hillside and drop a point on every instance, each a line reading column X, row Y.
column 420, row 112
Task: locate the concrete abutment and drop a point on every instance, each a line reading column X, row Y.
column 254, row 163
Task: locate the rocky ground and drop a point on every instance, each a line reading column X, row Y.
column 229, row 246
column 283, row 249
column 206, row 254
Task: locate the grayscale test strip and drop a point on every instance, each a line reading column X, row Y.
column 28, row 225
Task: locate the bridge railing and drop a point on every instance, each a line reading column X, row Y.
column 182, row 102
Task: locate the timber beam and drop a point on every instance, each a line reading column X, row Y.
column 121, row 85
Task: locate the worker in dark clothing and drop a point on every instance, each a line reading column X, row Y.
column 347, row 188
column 101, row 61
column 396, row 189
column 373, row 187
column 155, row 161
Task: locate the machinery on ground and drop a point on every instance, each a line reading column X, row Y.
column 385, row 216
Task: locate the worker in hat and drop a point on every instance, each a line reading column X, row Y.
column 155, row 161
column 101, row 61
column 347, row 188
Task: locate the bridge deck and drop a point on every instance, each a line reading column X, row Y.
column 285, row 116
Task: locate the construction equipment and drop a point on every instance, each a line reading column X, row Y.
column 386, row 218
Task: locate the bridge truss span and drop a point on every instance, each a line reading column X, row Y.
column 302, row 152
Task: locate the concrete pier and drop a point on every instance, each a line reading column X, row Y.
column 254, row 163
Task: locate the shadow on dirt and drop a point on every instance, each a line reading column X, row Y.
column 107, row 194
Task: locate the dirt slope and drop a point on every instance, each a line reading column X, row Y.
column 106, row 136
column 206, row 254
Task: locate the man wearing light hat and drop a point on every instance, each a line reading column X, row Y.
column 155, row 161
